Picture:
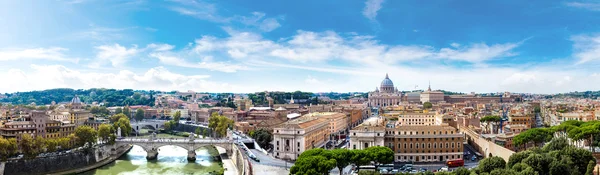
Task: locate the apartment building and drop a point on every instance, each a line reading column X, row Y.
column 293, row 137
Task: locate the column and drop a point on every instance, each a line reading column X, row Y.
column 191, row 155
column 152, row 154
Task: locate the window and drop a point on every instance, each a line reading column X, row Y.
column 278, row 143
column 353, row 146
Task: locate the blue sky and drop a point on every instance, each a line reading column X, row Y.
column 319, row 46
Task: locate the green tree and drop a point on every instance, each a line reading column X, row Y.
column 127, row 111
column 427, row 105
column 360, row 157
column 219, row 124
column 168, row 126
column 8, row 147
column 462, row 171
column 204, row 133
column 558, row 168
column 503, row 171
column 263, row 137
column 487, row 120
column 119, row 111
column 27, row 146
column 311, row 165
column 380, row 154
column 86, row 135
column 104, row 132
column 590, row 167
column 488, row 164
column 198, row 131
column 51, row 145
column 539, row 162
column 177, row 116
column 117, row 116
column 342, row 157
column 139, row 114
column 516, row 158
column 125, row 126
column 64, row 142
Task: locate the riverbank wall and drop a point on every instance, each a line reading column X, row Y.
column 70, row 163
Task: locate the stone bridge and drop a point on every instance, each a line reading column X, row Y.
column 152, row 144
column 152, row 124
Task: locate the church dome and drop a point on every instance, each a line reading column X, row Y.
column 387, row 82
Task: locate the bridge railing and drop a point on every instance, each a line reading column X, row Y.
column 173, row 140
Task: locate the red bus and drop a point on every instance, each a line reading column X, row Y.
column 455, row 163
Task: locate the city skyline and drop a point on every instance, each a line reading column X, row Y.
column 245, row 47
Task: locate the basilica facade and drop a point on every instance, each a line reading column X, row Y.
column 385, row 95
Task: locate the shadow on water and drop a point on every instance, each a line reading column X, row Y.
column 170, row 160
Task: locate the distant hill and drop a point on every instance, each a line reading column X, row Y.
column 110, row 97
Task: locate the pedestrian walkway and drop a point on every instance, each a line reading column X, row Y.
column 230, row 168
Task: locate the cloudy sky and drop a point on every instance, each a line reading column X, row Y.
column 311, row 45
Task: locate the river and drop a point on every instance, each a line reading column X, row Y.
column 171, row 160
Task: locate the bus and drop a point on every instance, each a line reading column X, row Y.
column 455, row 163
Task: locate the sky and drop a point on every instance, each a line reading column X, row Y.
column 537, row 46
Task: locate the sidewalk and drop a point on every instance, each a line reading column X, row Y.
column 230, row 168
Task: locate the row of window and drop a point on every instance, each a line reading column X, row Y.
column 417, row 133
column 435, row 145
column 411, row 158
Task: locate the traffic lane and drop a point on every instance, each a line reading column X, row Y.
column 268, row 160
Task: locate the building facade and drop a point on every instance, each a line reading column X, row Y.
column 385, row 95
column 293, row 137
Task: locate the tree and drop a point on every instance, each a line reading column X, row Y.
column 263, row 137
column 381, row 154
column 119, row 111
column 117, row 116
column 590, row 167
column 539, row 162
column 360, row 157
column 219, row 124
column 127, row 112
column 503, row 172
column 204, row 133
column 104, row 132
column 86, row 135
column 177, row 116
column 125, row 126
column 8, row 147
column 198, row 131
column 139, row 114
column 342, row 158
column 427, row 105
column 168, row 126
column 27, row 146
column 311, row 165
column 488, row 164
column 63, row 143
column 462, row 171
column 51, row 145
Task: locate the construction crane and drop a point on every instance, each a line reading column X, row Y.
column 503, row 118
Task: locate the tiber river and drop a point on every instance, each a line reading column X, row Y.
column 171, row 160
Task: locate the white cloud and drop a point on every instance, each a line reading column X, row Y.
column 311, row 80
column 160, row 47
column 209, row 12
column 371, row 8
column 116, row 54
column 455, row 45
column 205, row 64
column 58, row 76
column 308, row 46
column 51, row 53
column 588, row 6
column 586, row 48
column 478, row 52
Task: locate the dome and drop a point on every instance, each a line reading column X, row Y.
column 387, row 82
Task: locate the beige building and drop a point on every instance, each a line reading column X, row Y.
column 424, row 143
column 338, row 122
column 432, row 96
column 370, row 133
column 293, row 137
column 385, row 95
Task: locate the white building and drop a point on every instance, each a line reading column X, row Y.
column 385, row 95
